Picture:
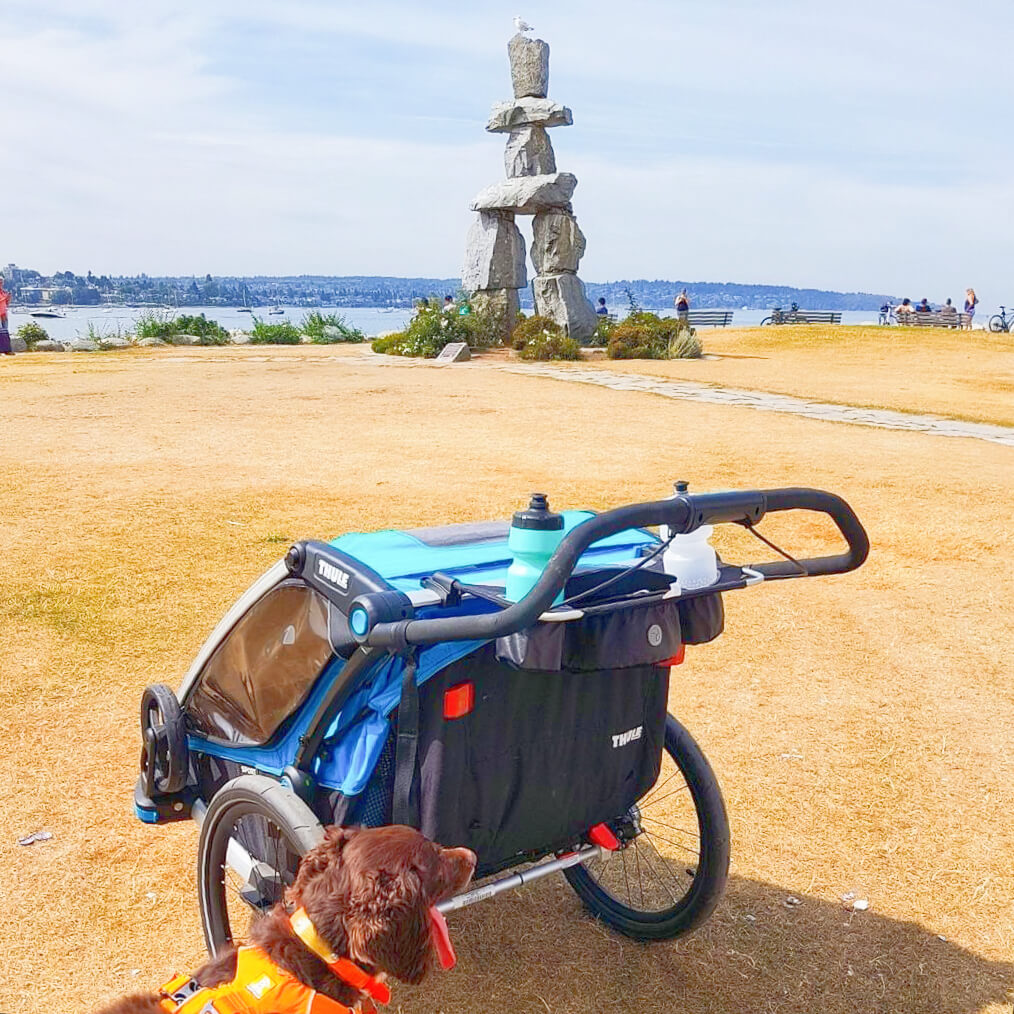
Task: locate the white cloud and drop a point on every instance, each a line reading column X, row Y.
column 700, row 140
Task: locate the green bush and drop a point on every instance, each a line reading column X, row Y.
column 275, row 334
column 152, row 324
column 550, row 346
column 329, row 329
column 603, row 330
column 31, row 333
column 209, row 331
column 644, row 335
column 427, row 332
column 542, row 338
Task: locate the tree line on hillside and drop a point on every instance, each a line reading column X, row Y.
column 31, row 287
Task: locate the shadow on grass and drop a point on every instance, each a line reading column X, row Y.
column 536, row 950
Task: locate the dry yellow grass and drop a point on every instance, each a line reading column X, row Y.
column 859, row 726
column 962, row 374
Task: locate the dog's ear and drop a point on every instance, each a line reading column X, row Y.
column 320, row 861
column 389, row 925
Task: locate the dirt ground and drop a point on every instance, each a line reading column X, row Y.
column 961, row 374
column 859, row 725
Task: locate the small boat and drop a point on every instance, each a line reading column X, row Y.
column 276, row 310
column 244, row 309
column 48, row 313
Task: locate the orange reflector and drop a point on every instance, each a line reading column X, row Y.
column 459, row 700
column 601, row 835
column 674, row 659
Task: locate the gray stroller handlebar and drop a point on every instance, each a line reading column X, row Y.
column 683, row 514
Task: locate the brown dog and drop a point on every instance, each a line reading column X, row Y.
column 365, row 895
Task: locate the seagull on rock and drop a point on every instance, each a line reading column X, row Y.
column 522, row 25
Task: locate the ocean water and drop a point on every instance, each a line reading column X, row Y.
column 371, row 320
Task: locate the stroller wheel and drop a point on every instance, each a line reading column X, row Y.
column 253, row 836
column 164, row 734
column 671, row 872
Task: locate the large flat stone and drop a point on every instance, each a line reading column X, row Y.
column 558, row 244
column 528, row 195
column 529, row 153
column 529, row 66
column 562, row 297
column 508, row 116
column 494, row 254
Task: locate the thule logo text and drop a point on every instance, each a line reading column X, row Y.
column 333, row 575
column 623, row 738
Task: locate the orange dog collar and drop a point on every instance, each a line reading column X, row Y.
column 346, row 970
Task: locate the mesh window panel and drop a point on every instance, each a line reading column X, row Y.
column 264, row 669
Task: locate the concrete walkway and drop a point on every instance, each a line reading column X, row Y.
column 686, row 390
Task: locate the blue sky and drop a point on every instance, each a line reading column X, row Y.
column 861, row 146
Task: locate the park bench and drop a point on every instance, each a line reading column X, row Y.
column 804, row 317
column 708, row 318
column 934, row 319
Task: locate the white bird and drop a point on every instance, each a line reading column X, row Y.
column 522, row 26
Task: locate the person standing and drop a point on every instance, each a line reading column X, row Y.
column 970, row 300
column 682, row 304
column 5, row 335
column 602, row 310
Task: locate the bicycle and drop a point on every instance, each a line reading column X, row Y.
column 791, row 316
column 1001, row 321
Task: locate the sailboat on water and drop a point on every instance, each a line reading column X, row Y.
column 245, row 308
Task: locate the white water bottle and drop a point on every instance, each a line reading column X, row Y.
column 690, row 559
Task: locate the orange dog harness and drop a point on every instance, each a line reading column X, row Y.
column 259, row 986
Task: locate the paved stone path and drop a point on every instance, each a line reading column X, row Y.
column 686, row 390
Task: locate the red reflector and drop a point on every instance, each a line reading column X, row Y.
column 674, row 659
column 601, row 835
column 459, row 700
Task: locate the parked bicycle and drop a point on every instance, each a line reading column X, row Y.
column 1002, row 321
column 778, row 316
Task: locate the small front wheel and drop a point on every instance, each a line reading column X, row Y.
column 253, row 836
column 766, row 321
column 668, row 877
column 997, row 323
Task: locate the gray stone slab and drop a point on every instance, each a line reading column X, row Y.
column 494, row 254
column 508, row 116
column 562, row 298
column 528, row 195
column 557, row 244
column 529, row 66
column 529, row 152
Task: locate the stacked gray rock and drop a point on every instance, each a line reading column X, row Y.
column 494, row 268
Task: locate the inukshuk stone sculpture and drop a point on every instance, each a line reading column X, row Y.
column 494, row 268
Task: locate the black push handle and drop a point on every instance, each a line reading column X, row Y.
column 840, row 513
column 683, row 514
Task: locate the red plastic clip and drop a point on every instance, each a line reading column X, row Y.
column 601, row 835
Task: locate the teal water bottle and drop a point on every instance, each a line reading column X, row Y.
column 535, row 533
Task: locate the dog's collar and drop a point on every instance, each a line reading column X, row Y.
column 347, row 971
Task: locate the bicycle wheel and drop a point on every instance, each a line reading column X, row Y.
column 669, row 875
column 766, row 321
column 997, row 323
column 252, row 838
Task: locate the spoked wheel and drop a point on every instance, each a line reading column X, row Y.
column 997, row 323
column 766, row 321
column 669, row 875
column 252, row 838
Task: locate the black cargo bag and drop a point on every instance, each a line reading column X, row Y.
column 540, row 758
